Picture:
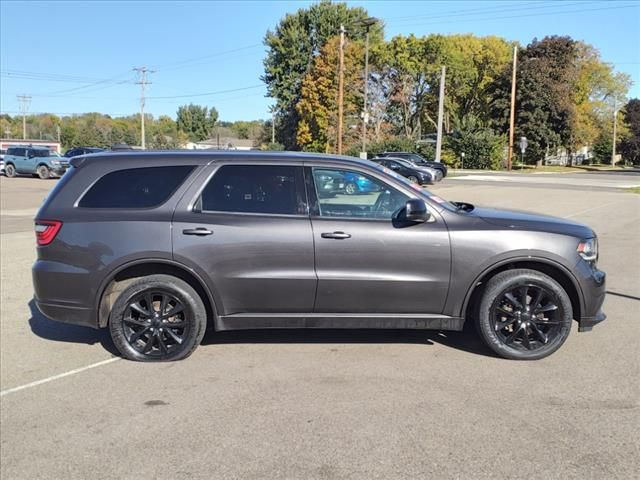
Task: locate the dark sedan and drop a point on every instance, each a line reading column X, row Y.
column 407, row 169
column 417, row 160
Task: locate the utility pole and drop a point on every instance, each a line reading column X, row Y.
column 25, row 101
column 440, row 115
column 368, row 23
column 615, row 124
column 273, row 126
column 340, row 90
column 512, row 113
column 142, row 75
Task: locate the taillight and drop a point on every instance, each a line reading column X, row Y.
column 46, row 231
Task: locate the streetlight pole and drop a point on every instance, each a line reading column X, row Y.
column 368, row 23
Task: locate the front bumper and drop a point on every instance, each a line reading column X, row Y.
column 593, row 284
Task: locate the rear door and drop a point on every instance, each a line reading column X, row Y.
column 368, row 263
column 245, row 228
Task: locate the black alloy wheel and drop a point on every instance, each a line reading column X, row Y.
column 155, row 324
column 157, row 318
column 527, row 317
column 524, row 314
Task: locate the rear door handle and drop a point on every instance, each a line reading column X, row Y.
column 336, row 235
column 200, row 231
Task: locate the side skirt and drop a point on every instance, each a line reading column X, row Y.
column 250, row 321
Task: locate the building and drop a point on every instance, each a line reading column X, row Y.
column 50, row 144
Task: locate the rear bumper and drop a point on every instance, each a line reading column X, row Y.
column 67, row 313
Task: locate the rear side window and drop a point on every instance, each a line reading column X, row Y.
column 271, row 189
column 135, row 187
column 18, row 152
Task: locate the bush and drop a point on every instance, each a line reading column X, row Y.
column 278, row 147
column 483, row 149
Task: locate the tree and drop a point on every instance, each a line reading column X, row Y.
column 630, row 146
column 545, row 100
column 318, row 108
column 292, row 46
column 481, row 146
column 196, row 121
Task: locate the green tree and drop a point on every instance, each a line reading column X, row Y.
column 545, row 101
column 481, row 146
column 196, row 121
column 291, row 48
column 630, row 146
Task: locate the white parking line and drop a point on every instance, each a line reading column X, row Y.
column 56, row 377
column 592, row 209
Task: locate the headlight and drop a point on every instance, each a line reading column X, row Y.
column 588, row 249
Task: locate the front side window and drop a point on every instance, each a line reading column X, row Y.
column 267, row 189
column 135, row 187
column 346, row 193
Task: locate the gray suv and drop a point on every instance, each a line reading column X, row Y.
column 158, row 246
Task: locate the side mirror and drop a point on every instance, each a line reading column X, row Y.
column 416, row 211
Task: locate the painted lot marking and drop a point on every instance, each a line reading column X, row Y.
column 57, row 377
column 546, row 180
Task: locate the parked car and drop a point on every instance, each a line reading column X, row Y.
column 421, row 176
column 354, row 184
column 418, row 160
column 156, row 246
column 36, row 161
column 74, row 152
column 329, row 184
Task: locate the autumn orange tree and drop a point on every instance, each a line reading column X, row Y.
column 318, row 105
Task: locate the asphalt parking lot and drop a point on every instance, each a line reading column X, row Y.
column 328, row 404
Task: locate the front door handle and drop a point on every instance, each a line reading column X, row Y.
column 200, row 231
column 336, row 235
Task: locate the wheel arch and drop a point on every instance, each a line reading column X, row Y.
column 556, row 271
column 122, row 276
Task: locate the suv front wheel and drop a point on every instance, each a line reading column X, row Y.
column 157, row 318
column 43, row 172
column 524, row 315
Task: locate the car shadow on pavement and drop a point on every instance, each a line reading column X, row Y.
column 64, row 332
column 467, row 340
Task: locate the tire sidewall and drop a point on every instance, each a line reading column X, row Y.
column 10, row 170
column 43, row 172
column 196, row 316
column 413, row 179
column 509, row 279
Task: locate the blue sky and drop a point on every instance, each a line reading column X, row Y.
column 77, row 56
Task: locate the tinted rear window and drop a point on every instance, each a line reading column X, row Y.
column 271, row 189
column 135, row 187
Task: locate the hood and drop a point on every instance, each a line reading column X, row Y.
column 519, row 220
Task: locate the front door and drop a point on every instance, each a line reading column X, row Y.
column 249, row 234
column 368, row 263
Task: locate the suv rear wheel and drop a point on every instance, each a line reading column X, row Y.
column 10, row 170
column 524, row 315
column 157, row 318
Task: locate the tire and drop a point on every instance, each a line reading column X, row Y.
column 142, row 336
column 527, row 330
column 10, row 170
column 351, row 188
column 43, row 172
column 413, row 179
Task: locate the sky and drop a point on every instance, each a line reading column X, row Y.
column 78, row 56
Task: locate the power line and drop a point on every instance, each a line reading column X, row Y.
column 497, row 9
column 180, row 63
column 206, row 94
column 475, row 19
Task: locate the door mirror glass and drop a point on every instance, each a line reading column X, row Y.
column 416, row 211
